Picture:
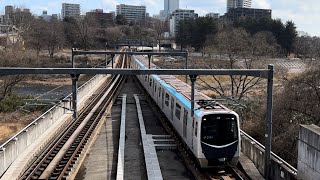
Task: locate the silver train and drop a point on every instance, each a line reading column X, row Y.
column 213, row 135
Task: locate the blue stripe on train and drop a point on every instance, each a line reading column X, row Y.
column 173, row 91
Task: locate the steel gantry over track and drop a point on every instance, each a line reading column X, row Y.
column 113, row 53
column 192, row 73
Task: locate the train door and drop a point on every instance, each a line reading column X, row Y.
column 155, row 89
column 195, row 133
column 159, row 95
column 172, row 107
column 185, row 122
column 150, row 85
column 162, row 98
column 167, row 105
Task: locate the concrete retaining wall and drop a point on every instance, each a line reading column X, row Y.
column 18, row 143
column 309, row 152
column 280, row 170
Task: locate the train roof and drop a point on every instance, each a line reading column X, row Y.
column 203, row 102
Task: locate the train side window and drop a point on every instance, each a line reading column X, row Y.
column 150, row 82
column 146, row 78
column 196, row 130
column 178, row 111
column 155, row 87
column 159, row 90
column 167, row 99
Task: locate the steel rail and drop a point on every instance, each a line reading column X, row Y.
column 53, row 147
column 60, row 170
column 55, row 143
column 110, row 93
column 59, row 140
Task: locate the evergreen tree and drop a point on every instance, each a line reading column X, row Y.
column 289, row 36
column 194, row 32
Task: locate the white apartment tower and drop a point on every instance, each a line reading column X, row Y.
column 177, row 16
column 238, row 3
column 170, row 6
column 70, row 10
column 132, row 13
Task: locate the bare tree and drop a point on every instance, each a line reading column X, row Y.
column 298, row 103
column 86, row 33
column 53, row 37
column 34, row 37
column 307, row 47
column 20, row 21
column 239, row 50
column 10, row 58
column 160, row 27
column 113, row 34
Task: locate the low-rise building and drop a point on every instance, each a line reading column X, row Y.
column 45, row 16
column 98, row 16
column 2, row 19
column 213, row 15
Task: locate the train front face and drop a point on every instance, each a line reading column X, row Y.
column 220, row 139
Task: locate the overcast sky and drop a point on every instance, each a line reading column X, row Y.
column 305, row 13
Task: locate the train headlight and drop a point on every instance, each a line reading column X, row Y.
column 204, row 119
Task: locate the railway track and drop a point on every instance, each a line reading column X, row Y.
column 59, row 157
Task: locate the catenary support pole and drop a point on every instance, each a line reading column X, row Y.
column 74, row 78
column 149, row 57
column 72, row 57
column 268, row 134
column 112, row 59
column 105, row 56
column 187, row 67
column 193, row 79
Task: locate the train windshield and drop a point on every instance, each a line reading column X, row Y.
column 219, row 129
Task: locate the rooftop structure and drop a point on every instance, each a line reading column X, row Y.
column 238, row 4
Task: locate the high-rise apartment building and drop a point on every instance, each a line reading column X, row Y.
column 8, row 14
column 238, row 3
column 170, row 6
column 179, row 15
column 70, row 10
column 235, row 14
column 132, row 13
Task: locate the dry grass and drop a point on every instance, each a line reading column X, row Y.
column 210, row 93
column 12, row 123
column 9, row 129
column 49, row 81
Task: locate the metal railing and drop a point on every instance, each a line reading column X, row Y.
column 275, row 157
